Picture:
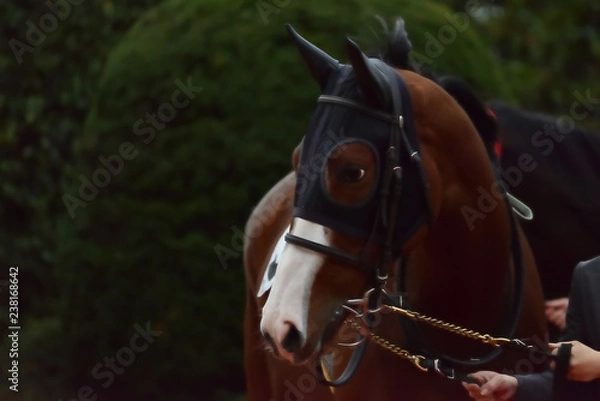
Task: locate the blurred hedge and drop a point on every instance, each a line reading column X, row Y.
column 46, row 89
column 143, row 248
column 46, row 94
column 548, row 52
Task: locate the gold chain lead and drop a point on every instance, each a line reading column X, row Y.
column 382, row 342
column 453, row 328
column 416, row 359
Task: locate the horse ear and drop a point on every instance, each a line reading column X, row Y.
column 320, row 64
column 369, row 79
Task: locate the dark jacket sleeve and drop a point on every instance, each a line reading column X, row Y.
column 539, row 386
column 535, row 386
column 574, row 323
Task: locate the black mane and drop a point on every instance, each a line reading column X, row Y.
column 394, row 48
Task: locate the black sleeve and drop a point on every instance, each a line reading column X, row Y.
column 535, row 386
column 539, row 386
column 573, row 330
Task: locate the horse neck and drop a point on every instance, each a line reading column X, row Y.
column 461, row 272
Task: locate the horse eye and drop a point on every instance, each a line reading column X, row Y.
column 350, row 173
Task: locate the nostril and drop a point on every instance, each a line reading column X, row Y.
column 292, row 340
column 269, row 339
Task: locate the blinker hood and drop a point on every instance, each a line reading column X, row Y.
column 363, row 104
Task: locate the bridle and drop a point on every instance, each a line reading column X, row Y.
column 389, row 195
column 376, row 298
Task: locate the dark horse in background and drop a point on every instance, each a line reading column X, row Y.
column 561, row 185
column 382, row 213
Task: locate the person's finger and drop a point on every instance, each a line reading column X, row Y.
column 483, row 376
column 552, row 310
column 553, row 345
column 556, row 316
column 472, row 390
column 478, row 377
column 554, row 307
column 558, row 321
column 478, row 397
column 493, row 385
column 557, row 303
column 488, row 388
column 475, row 394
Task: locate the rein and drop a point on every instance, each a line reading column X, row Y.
column 513, row 314
column 427, row 363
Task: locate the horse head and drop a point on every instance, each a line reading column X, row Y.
column 387, row 162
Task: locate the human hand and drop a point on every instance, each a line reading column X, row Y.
column 494, row 386
column 585, row 361
column 556, row 311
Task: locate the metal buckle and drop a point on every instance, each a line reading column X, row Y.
column 382, row 278
column 362, row 304
column 436, row 367
column 359, row 307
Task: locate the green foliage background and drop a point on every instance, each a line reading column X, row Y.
column 143, row 248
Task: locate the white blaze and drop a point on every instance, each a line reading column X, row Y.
column 289, row 298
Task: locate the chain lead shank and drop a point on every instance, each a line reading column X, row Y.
column 419, row 360
column 453, row 328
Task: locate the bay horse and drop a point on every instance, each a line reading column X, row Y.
column 376, row 213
